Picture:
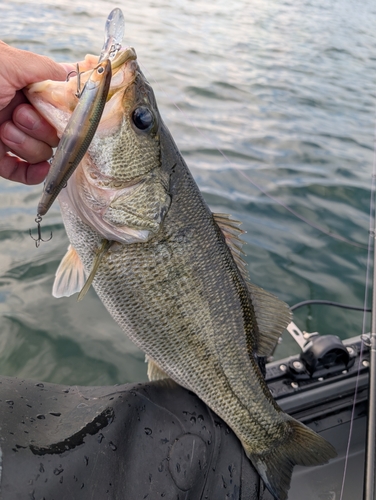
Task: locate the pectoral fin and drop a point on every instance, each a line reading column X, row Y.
column 70, row 275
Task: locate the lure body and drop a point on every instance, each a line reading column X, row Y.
column 78, row 134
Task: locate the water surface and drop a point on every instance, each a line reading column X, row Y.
column 277, row 96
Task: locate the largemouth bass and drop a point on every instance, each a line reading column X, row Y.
column 170, row 271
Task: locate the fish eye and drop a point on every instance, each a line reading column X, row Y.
column 100, row 70
column 142, row 118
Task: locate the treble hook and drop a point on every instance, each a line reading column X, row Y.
column 38, row 220
column 78, row 93
column 69, row 75
column 78, row 74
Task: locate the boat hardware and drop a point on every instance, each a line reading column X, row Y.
column 321, row 354
column 370, row 463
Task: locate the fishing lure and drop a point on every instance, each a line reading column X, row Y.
column 84, row 121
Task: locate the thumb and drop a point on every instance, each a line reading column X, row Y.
column 21, row 67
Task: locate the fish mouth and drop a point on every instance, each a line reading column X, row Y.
column 56, row 100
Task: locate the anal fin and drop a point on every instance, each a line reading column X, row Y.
column 154, row 372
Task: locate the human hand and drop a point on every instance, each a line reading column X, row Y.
column 23, row 131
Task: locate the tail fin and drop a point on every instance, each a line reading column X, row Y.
column 302, row 447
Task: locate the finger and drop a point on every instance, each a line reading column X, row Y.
column 14, row 169
column 30, row 67
column 7, row 112
column 29, row 121
column 3, row 150
column 28, row 148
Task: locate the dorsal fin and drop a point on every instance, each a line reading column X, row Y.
column 70, row 275
column 232, row 233
column 272, row 314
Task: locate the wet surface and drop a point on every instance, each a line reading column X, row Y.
column 143, row 441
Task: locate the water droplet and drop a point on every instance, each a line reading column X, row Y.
column 100, row 437
column 41, row 416
column 178, row 468
column 61, row 480
column 55, row 413
column 41, row 468
column 86, row 460
column 148, row 431
column 39, row 385
column 193, row 420
column 160, row 467
column 9, row 401
column 58, row 470
column 82, row 486
column 112, row 446
column 200, row 419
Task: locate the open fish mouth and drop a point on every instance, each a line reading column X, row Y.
column 105, row 188
column 57, row 100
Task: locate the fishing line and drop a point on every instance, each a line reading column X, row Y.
column 318, row 227
column 328, row 303
column 366, row 292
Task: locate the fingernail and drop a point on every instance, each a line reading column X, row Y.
column 13, row 134
column 27, row 117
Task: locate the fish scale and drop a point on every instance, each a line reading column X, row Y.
column 179, row 290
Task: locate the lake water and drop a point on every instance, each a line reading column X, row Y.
column 272, row 105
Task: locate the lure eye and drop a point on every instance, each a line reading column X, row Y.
column 142, row 118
